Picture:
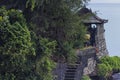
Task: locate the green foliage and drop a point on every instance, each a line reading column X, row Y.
column 55, row 30
column 44, row 67
column 72, row 4
column 43, row 62
column 69, row 52
column 60, row 24
column 108, row 65
column 16, row 16
column 15, row 46
column 15, row 37
column 48, row 47
column 85, row 77
column 112, row 61
column 104, row 70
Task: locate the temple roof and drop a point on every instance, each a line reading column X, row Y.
column 92, row 18
column 95, row 19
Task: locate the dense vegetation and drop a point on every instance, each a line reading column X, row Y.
column 34, row 34
column 108, row 66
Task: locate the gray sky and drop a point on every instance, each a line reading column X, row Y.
column 105, row 1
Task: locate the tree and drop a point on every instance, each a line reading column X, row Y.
column 15, row 45
column 43, row 62
column 55, row 29
column 53, row 19
column 72, row 4
column 57, row 21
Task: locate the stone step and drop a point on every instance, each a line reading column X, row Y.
column 69, row 79
column 69, row 70
column 70, row 73
column 69, row 76
column 72, row 66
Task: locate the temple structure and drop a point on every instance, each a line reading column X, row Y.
column 95, row 28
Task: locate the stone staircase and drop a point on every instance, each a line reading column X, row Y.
column 71, row 72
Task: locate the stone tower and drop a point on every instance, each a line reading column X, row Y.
column 95, row 28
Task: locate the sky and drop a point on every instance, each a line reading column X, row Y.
column 105, row 1
column 112, row 28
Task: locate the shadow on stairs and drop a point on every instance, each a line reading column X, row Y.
column 71, row 71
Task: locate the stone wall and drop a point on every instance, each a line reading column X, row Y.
column 87, row 65
column 100, row 41
column 88, row 61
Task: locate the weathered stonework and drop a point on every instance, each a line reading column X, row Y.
column 86, row 66
column 89, row 61
column 91, row 67
column 100, row 40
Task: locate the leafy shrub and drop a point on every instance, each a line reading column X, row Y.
column 85, row 77
column 108, row 65
column 104, row 70
column 15, row 46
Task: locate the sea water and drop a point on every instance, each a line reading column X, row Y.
column 110, row 11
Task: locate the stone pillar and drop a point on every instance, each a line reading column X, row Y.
column 100, row 41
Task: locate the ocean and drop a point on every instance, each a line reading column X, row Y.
column 110, row 11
